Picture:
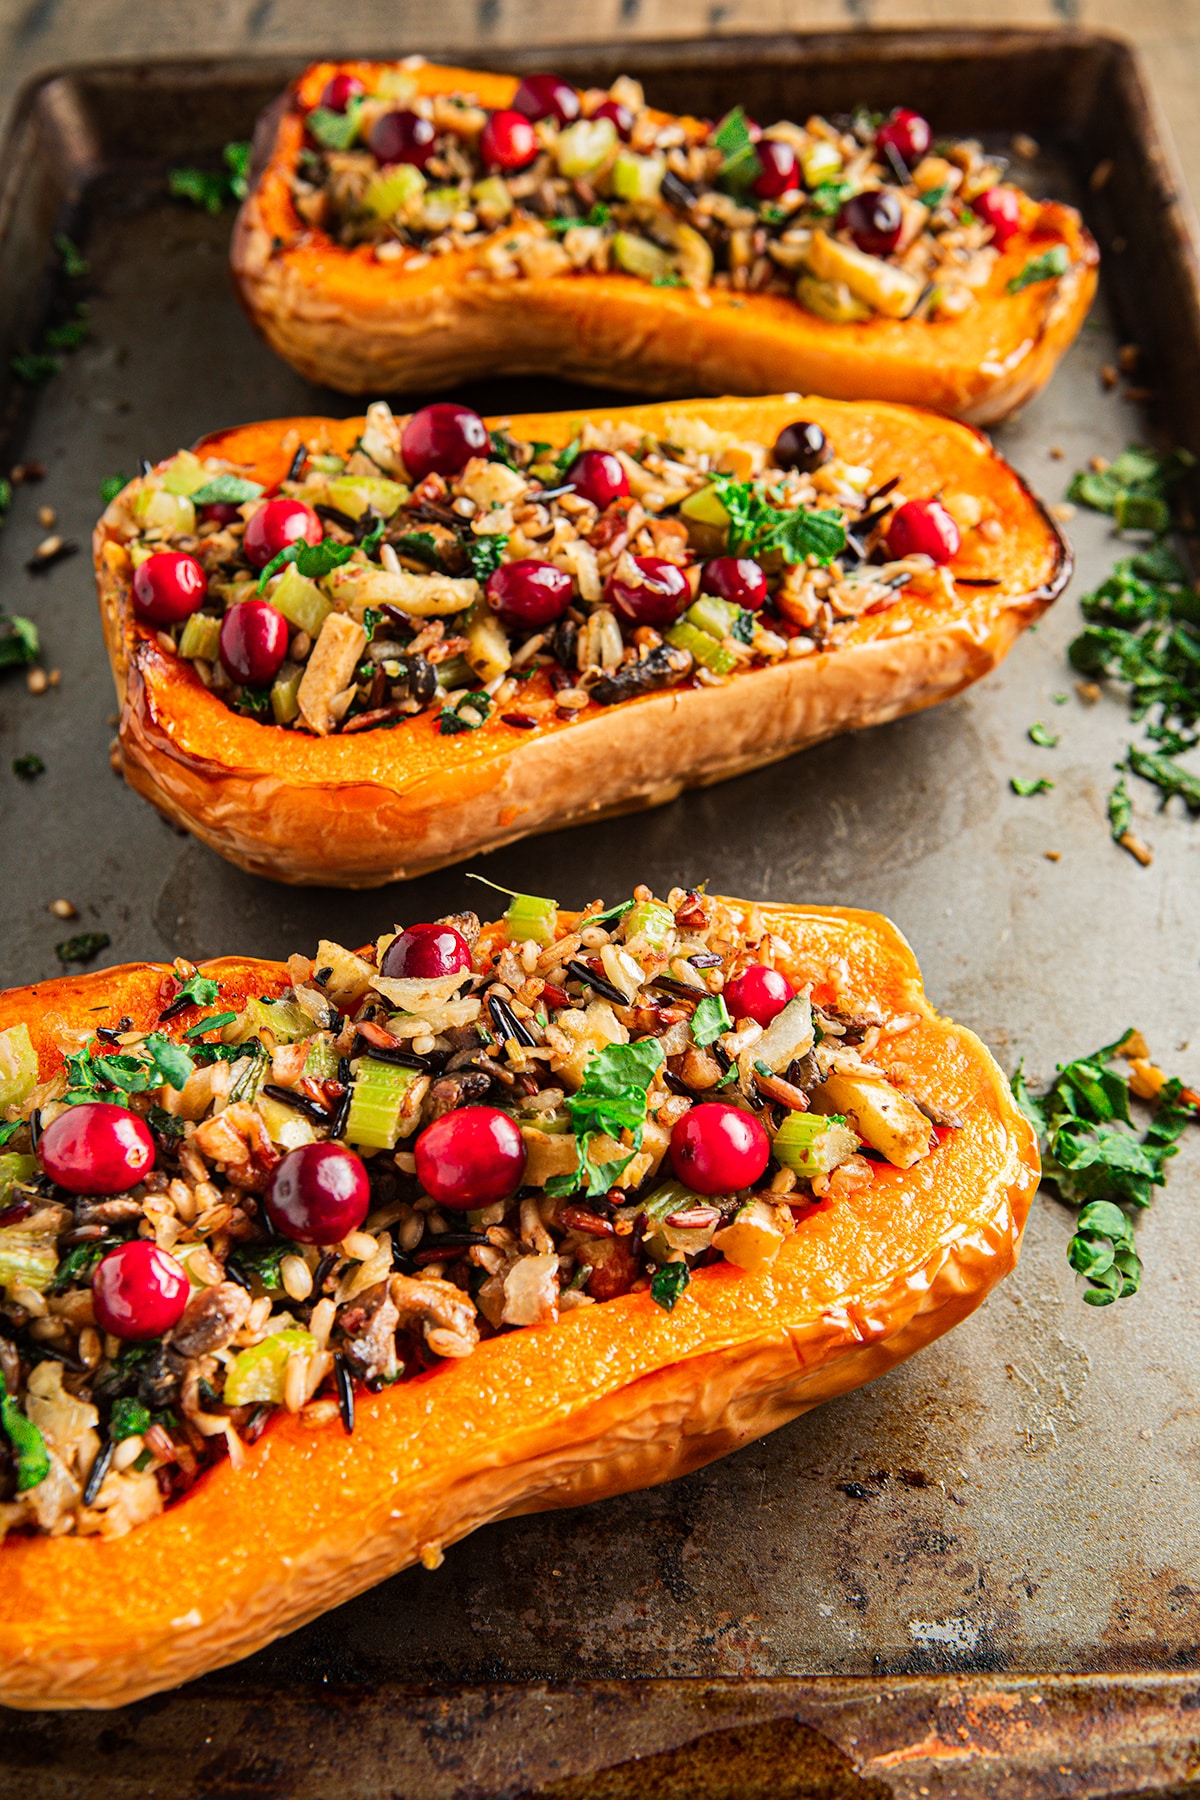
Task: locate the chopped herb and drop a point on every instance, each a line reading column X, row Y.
column 236, row 157
column 214, row 1022
column 1170, row 777
column 484, row 554
column 742, row 629
column 371, row 620
column 668, row 280
column 226, row 490
column 213, row 191
column 668, row 1284
column 934, row 197
column 468, row 715
column 74, row 263
column 263, row 1260
column 197, row 990
column 129, row 1419
column 156, row 1062
column 1120, row 811
column 312, row 560
column 423, row 546
column 29, row 766
column 1093, row 1154
column 164, row 1124
column 741, row 165
column 334, row 130
column 1046, row 267
column 82, row 947
column 1040, row 734
column 1060, row 699
column 77, row 1265
column 828, row 197
column 756, row 526
column 112, row 485
column 566, row 457
column 611, row 914
column 33, row 368
column 1028, row 784
column 70, row 335
column 611, row 1100
column 19, row 641
column 505, row 448
column 710, row 1019
column 28, row 1445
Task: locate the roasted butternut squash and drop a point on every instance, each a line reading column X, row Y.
column 640, row 311
column 357, row 809
column 609, row 1398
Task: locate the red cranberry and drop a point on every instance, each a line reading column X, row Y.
column 138, row 1291
column 441, row 439
column 598, row 476
column 253, row 642
column 923, row 527
column 657, row 599
column 780, row 169
column 737, row 579
column 874, row 219
column 546, row 97
column 718, row 1149
column 425, row 952
column 802, row 446
column 276, row 525
column 999, row 207
column 758, row 993
column 529, row 593
column 470, row 1157
column 96, row 1148
column 168, row 587
column 908, row 134
column 403, row 137
column 221, row 512
column 620, row 115
column 508, row 141
column 339, row 91
column 318, row 1194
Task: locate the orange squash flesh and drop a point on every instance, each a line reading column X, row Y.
column 361, row 809
column 346, row 320
column 611, row 1398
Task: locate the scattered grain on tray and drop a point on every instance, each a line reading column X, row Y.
column 30, row 471
column 1137, row 848
column 62, row 909
column 1064, row 512
column 1109, row 376
column 1127, row 358
column 1052, row 855
column 114, row 756
column 1057, row 452
column 37, row 681
column 1025, row 147
column 1098, row 464
column 1088, row 691
column 1101, row 175
column 47, row 518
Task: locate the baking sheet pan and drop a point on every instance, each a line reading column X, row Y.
column 1008, row 1523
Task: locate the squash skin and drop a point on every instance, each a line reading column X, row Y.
column 611, row 1398
column 372, row 807
column 349, row 322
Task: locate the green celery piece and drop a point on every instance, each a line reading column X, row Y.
column 201, row 636
column 705, row 649
column 530, row 917
column 376, row 1103
column 18, row 1066
column 648, row 920
column 321, row 1063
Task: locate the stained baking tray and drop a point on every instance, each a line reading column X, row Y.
column 984, row 1570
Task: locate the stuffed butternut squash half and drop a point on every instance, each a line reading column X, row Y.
column 353, row 651
column 307, row 1270
column 410, row 226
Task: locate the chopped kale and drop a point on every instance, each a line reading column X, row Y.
column 668, row 1284
column 82, row 947
column 1046, row 267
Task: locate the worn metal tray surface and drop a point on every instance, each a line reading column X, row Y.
column 1019, row 1500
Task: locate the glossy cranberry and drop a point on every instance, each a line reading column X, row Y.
column 339, row 91
column 318, row 1194
column 874, row 220
column 441, row 439
column 138, row 1291
column 718, row 1149
column 780, row 169
column 620, row 115
column 999, row 207
column 508, row 142
column 758, row 993
column 737, row 579
column 923, row 527
column 403, row 137
column 657, row 598
column 908, row 134
column 168, row 587
column 221, row 512
column 598, row 476
column 426, row 952
column 253, row 642
column 277, row 524
column 96, row 1148
column 546, row 97
column 529, row 593
column 470, row 1157
column 801, row 446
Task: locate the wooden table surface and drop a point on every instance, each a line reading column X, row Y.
column 40, row 35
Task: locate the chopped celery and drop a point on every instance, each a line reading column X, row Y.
column 650, row 921
column 321, row 1062
column 584, row 146
column 300, row 601
column 201, row 636
column 14, row 1167
column 638, row 256
column 717, row 617
column 707, row 508
column 18, row 1066
column 26, row 1256
column 491, row 198
column 831, row 300
column 821, row 161
column 487, row 643
column 708, row 652
column 285, row 1021
column 393, row 192
column 637, row 177
column 662, row 1241
column 455, row 672
column 285, row 693
column 439, row 207
column 531, row 917
column 812, row 1144
column 376, row 1103
column 255, row 1377
column 353, row 494
column 285, row 1126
